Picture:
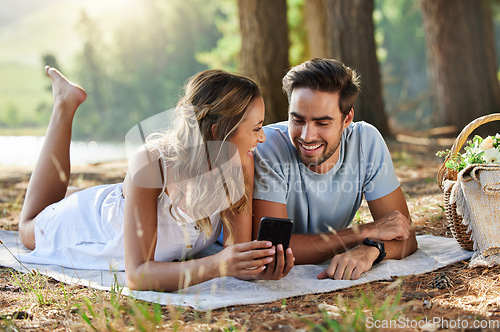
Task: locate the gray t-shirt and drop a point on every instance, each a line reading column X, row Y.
column 315, row 201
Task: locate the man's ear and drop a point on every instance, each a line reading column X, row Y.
column 348, row 118
column 214, row 131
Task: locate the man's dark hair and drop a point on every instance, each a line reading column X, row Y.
column 325, row 75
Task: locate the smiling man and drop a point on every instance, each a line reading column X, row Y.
column 316, row 168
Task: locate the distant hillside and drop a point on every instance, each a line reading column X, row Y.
column 29, row 29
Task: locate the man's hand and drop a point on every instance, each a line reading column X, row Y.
column 350, row 264
column 392, row 226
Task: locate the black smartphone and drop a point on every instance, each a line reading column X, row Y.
column 276, row 230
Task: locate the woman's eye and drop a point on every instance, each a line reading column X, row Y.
column 258, row 129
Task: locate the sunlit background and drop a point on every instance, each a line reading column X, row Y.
column 133, row 57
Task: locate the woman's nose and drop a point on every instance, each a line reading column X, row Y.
column 262, row 137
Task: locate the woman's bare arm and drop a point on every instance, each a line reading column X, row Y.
column 140, row 237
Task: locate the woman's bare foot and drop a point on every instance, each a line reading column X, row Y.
column 65, row 91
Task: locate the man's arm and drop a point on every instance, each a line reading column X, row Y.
column 317, row 248
column 351, row 264
column 379, row 208
column 307, row 248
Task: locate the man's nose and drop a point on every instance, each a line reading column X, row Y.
column 308, row 133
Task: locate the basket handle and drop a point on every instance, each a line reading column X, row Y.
column 448, row 174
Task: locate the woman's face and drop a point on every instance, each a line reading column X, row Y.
column 250, row 131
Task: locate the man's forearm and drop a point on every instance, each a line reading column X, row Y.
column 317, row 248
column 396, row 249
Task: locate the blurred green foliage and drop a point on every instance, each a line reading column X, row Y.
column 134, row 64
column 140, row 70
column 400, row 39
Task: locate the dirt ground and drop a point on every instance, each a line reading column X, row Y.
column 471, row 300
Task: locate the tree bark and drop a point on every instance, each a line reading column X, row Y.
column 315, row 21
column 352, row 41
column 264, row 51
column 461, row 57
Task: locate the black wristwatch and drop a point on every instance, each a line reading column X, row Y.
column 379, row 245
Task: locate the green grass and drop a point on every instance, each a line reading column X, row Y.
column 355, row 314
column 22, row 89
column 23, row 131
column 25, row 37
column 97, row 310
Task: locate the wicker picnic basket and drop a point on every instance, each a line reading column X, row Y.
column 458, row 229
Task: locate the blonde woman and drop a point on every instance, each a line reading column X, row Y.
column 181, row 186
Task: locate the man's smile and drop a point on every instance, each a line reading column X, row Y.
column 310, row 148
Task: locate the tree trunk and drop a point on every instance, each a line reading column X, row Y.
column 315, row 20
column 461, row 57
column 352, row 41
column 264, row 51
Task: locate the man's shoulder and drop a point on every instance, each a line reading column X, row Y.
column 276, row 136
column 363, row 133
column 362, row 128
column 277, row 145
column 276, row 129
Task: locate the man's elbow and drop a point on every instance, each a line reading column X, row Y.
column 409, row 246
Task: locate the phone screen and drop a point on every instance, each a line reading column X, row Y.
column 276, row 230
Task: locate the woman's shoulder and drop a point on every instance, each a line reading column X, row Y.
column 145, row 167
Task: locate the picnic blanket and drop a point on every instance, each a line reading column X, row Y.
column 433, row 253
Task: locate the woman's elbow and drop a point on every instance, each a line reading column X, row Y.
column 133, row 282
column 137, row 280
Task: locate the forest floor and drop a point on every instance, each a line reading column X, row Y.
column 33, row 303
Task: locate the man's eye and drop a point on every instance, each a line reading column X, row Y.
column 297, row 120
column 323, row 124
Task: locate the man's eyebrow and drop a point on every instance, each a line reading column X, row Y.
column 321, row 118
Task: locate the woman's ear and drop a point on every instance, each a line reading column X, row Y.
column 214, row 131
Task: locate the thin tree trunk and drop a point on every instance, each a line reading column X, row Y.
column 461, row 57
column 351, row 40
column 264, row 51
column 315, row 20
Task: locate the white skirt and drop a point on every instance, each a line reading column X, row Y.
column 82, row 231
column 85, row 231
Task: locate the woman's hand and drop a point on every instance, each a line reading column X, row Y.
column 280, row 267
column 244, row 260
column 254, row 260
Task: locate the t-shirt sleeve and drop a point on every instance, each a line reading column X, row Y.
column 271, row 174
column 380, row 179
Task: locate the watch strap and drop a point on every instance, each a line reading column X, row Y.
column 380, row 246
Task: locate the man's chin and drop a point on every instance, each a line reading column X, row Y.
column 309, row 161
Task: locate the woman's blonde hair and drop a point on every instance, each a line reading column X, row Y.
column 214, row 105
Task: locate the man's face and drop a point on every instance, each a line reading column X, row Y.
column 315, row 127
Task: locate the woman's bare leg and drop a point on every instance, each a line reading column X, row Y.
column 50, row 178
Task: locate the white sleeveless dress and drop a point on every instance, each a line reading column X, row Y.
column 85, row 231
